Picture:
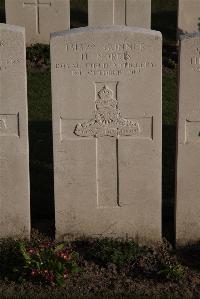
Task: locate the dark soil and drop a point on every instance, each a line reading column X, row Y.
column 96, row 282
column 114, row 268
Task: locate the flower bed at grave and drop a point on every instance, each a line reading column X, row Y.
column 101, row 267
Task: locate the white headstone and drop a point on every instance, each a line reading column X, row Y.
column 14, row 158
column 107, row 132
column 188, row 16
column 39, row 17
column 120, row 12
column 188, row 168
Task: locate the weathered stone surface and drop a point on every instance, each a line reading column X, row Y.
column 14, row 162
column 107, row 132
column 120, row 12
column 39, row 17
column 188, row 16
column 188, row 168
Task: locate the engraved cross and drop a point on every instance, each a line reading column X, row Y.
column 108, row 122
column 37, row 6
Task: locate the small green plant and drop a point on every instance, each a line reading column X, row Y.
column 172, row 64
column 109, row 251
column 38, row 55
column 46, row 263
column 173, row 272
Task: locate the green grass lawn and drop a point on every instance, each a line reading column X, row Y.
column 164, row 19
column 39, row 95
column 2, row 11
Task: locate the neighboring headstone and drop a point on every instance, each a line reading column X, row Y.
column 14, row 157
column 106, row 85
column 188, row 16
column 120, row 12
column 39, row 17
column 188, row 166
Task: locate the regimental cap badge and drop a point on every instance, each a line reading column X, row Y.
column 105, row 93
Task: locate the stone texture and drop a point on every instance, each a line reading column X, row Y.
column 120, row 12
column 39, row 17
column 106, row 86
column 188, row 16
column 14, row 160
column 188, row 168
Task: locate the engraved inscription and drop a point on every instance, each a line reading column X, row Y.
column 195, row 60
column 108, row 120
column 78, row 47
column 110, row 68
column 2, row 43
column 9, row 125
column 5, row 64
column 3, row 124
column 192, row 131
column 123, row 57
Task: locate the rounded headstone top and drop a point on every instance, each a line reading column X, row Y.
column 111, row 28
column 187, row 36
column 12, row 28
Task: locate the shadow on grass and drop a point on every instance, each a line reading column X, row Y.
column 168, row 183
column 190, row 256
column 2, row 12
column 78, row 13
column 166, row 22
column 41, row 177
